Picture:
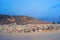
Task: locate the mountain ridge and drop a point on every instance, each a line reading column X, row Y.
column 20, row 20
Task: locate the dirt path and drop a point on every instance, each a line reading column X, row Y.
column 31, row 36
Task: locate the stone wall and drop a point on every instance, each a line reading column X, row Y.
column 27, row 28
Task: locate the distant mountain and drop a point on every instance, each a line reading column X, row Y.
column 20, row 20
column 53, row 20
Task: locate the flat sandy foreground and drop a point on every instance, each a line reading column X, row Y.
column 30, row 36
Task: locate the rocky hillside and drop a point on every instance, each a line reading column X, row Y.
column 20, row 20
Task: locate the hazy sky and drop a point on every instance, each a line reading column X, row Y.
column 35, row 8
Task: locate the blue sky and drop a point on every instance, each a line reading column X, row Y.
column 34, row 8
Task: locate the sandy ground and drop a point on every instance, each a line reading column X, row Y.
column 30, row 36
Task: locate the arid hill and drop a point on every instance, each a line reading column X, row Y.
column 20, row 20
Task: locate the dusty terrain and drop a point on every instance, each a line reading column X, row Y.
column 30, row 36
